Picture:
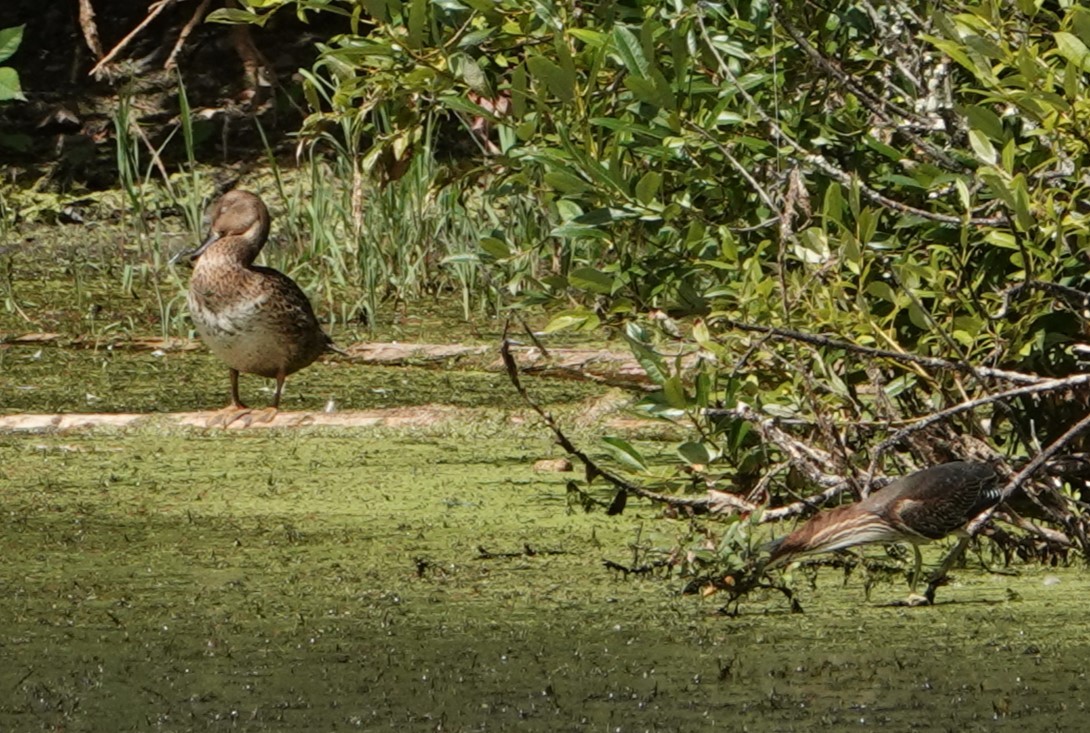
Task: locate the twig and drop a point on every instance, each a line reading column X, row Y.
column 805, row 504
column 592, row 469
column 527, row 551
column 90, row 30
column 1027, row 471
column 198, row 14
column 807, row 458
column 926, row 361
column 874, row 104
column 829, row 169
column 153, row 12
column 1071, row 296
column 155, row 157
column 725, row 151
column 1050, row 385
column 1046, row 534
column 644, row 569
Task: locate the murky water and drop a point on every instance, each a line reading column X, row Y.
column 330, row 580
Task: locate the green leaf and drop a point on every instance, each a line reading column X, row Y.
column 1022, row 214
column 580, row 319
column 9, row 85
column 631, row 52
column 591, row 280
column 832, row 207
column 649, row 359
column 882, row 290
column 234, row 16
column 674, row 392
column 600, row 217
column 557, row 81
column 495, row 247
column 567, row 182
column 647, row 188
column 998, row 185
column 982, row 146
column 701, row 335
column 589, row 37
column 956, row 51
column 695, row 454
column 376, row 9
column 463, row 258
column 575, row 230
column 703, row 389
column 983, row 119
column 418, row 13
column 645, row 90
column 518, row 92
column 475, row 77
column 625, row 453
column 461, row 104
column 10, row 38
column 1072, row 49
column 880, row 147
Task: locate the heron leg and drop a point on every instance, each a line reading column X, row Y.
column 917, row 568
column 939, row 575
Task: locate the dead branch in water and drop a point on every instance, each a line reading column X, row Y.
column 814, row 462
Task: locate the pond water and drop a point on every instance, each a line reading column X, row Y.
column 322, row 579
column 55, row 379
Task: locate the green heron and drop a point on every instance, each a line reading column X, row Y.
column 918, row 508
column 255, row 319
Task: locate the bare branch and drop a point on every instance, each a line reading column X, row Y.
column 153, row 13
column 925, row 361
column 196, row 18
column 828, row 168
column 89, row 28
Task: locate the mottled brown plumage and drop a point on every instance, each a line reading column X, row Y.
column 256, row 319
column 918, row 508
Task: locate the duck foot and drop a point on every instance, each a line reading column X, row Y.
column 229, row 415
column 263, row 415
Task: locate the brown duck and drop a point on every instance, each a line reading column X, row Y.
column 256, row 319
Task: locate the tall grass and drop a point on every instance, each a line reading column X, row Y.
column 419, row 236
column 150, row 187
column 353, row 243
column 363, row 244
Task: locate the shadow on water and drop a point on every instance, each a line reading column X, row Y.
column 331, row 580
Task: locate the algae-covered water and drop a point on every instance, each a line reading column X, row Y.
column 321, row 579
column 52, row 379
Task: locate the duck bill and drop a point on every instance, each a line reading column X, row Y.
column 191, row 254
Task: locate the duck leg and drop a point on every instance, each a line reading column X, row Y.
column 268, row 413
column 236, row 401
column 234, row 411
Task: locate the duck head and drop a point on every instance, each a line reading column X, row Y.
column 240, row 226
